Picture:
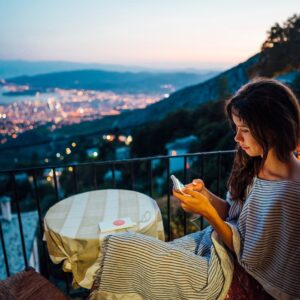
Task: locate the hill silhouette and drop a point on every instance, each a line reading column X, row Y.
column 119, row 82
column 280, row 53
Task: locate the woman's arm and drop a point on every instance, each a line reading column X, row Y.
column 198, row 203
column 221, row 206
column 223, row 229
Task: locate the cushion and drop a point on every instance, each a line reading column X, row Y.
column 245, row 287
column 29, row 284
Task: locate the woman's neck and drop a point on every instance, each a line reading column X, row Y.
column 274, row 169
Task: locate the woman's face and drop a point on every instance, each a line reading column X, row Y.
column 245, row 139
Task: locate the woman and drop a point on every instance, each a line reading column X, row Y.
column 265, row 117
column 257, row 224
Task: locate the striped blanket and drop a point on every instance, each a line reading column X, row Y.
column 136, row 266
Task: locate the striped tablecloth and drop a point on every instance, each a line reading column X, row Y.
column 73, row 234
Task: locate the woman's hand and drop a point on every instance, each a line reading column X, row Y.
column 199, row 204
column 194, row 202
column 196, row 185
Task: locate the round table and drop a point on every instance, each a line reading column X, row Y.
column 73, row 234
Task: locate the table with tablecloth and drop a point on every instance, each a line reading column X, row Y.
column 73, row 234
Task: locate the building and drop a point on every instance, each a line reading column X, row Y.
column 122, row 153
column 179, row 146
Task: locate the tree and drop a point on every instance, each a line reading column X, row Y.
column 280, row 52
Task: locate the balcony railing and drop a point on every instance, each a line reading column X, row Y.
column 36, row 189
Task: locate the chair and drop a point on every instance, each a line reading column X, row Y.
column 245, row 287
column 29, row 284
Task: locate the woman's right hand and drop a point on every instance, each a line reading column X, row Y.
column 196, row 185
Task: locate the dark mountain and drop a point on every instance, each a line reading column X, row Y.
column 14, row 68
column 126, row 82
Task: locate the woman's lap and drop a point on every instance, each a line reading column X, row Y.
column 245, row 287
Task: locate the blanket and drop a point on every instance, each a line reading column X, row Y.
column 135, row 267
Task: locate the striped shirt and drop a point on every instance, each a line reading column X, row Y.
column 266, row 235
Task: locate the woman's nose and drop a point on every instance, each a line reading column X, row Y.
column 238, row 137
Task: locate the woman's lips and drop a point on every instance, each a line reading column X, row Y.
column 244, row 148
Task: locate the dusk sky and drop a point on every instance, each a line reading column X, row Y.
column 151, row 33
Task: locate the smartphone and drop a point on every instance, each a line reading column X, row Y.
column 178, row 186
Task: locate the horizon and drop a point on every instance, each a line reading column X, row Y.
column 164, row 35
column 120, row 67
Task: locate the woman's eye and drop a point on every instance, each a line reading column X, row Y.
column 245, row 130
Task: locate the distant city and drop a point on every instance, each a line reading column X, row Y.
column 62, row 107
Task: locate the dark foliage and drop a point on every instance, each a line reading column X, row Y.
column 280, row 52
column 208, row 123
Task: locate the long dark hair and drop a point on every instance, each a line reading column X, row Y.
column 271, row 111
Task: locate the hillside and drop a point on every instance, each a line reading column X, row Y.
column 14, row 68
column 119, row 82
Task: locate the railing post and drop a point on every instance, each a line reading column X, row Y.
column 151, row 180
column 19, row 219
column 202, row 166
column 43, row 267
column 168, row 202
column 219, row 173
column 95, row 176
column 132, row 175
column 4, row 250
column 74, row 170
column 202, row 177
column 185, row 180
column 114, row 175
column 55, row 184
column 57, row 199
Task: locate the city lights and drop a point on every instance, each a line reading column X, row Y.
column 128, row 140
column 122, row 138
column 58, row 172
column 109, row 137
column 173, row 152
column 65, row 107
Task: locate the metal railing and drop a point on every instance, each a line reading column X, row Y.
column 141, row 175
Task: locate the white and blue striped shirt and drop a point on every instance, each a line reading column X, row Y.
column 266, row 235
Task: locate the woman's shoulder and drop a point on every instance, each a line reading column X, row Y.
column 270, row 193
column 276, row 185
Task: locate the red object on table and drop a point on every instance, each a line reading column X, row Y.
column 119, row 222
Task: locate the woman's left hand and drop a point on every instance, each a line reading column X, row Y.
column 194, row 202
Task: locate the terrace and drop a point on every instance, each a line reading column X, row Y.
column 31, row 192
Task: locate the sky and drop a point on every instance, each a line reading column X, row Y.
column 165, row 34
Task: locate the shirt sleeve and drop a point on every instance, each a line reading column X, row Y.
column 234, row 210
